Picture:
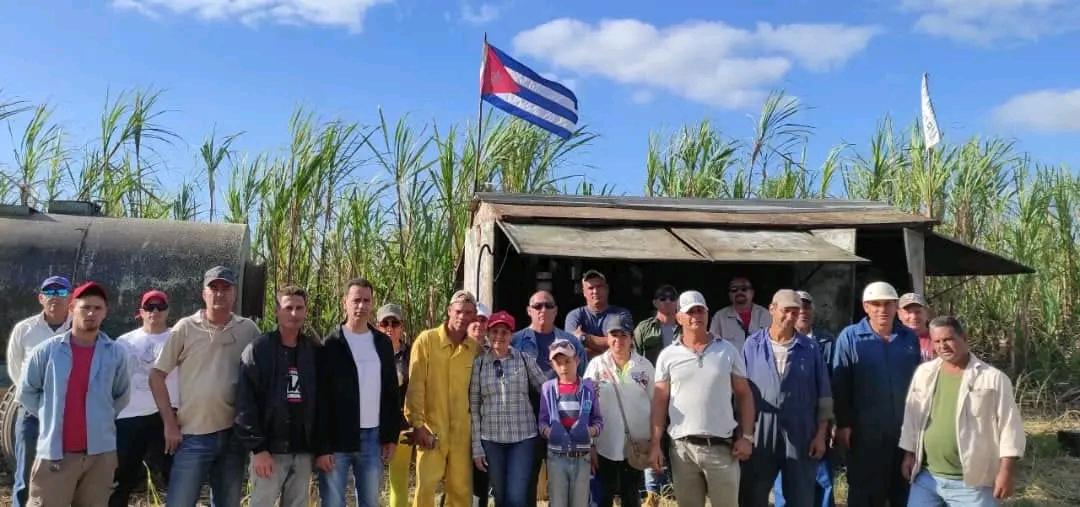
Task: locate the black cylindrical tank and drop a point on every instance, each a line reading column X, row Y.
column 129, row 256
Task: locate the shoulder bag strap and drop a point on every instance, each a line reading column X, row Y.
column 615, row 385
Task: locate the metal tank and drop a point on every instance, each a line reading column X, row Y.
column 128, row 256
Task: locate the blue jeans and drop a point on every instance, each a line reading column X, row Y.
column 218, row 457
column 509, row 469
column 823, row 492
column 367, row 470
column 930, row 490
column 26, row 435
column 568, row 480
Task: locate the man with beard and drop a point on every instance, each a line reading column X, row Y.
column 873, row 362
column 27, row 334
column 735, row 323
column 76, row 383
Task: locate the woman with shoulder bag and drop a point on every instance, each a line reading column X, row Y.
column 504, row 429
column 625, row 380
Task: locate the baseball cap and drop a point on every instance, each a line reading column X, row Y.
column 786, row 298
column 90, row 289
column 561, row 347
column 389, row 310
column 482, row 310
column 665, row 291
column 618, row 321
column 153, row 294
column 690, row 299
column 879, row 291
column 805, row 296
column 463, row 296
column 219, row 273
column 592, row 273
column 912, row 298
column 501, row 317
column 56, row 280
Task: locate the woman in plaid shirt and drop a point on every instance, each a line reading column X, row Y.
column 503, row 418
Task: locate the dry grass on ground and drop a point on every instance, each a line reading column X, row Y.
column 1048, row 477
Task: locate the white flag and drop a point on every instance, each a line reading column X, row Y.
column 930, row 132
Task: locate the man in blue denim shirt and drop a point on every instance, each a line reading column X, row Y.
column 76, row 384
column 793, row 398
column 541, row 333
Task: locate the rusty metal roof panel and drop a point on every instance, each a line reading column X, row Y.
column 629, row 243
column 720, row 245
column 946, row 256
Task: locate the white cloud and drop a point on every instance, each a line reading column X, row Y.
column 336, row 13
column 642, row 97
column 705, row 61
column 1043, row 110
column 482, row 15
column 984, row 22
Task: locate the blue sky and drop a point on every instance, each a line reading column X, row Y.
column 998, row 67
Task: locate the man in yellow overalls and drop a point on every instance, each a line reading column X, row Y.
column 437, row 406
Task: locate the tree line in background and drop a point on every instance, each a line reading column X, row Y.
column 315, row 220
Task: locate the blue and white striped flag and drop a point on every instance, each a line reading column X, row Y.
column 516, row 89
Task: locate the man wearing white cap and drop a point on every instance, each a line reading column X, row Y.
column 873, row 363
column 695, row 379
column 915, row 314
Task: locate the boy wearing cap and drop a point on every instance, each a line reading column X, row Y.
column 361, row 419
column 587, row 322
column 625, row 377
column 205, row 348
column 503, row 417
column 53, row 319
column 915, row 314
column 139, row 431
column 569, row 419
column 873, row 363
column 76, row 383
column 789, row 375
column 696, row 379
column 437, row 405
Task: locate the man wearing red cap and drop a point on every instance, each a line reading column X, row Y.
column 75, row 384
column 140, row 434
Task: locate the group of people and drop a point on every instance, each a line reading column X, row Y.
column 750, row 403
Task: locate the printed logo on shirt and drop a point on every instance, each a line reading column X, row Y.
column 292, row 393
column 641, row 378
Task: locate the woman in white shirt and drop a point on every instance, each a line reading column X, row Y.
column 625, row 380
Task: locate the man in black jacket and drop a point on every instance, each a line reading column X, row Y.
column 276, row 405
column 359, row 430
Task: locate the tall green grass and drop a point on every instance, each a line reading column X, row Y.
column 389, row 199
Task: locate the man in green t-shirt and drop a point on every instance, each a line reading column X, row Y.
column 962, row 431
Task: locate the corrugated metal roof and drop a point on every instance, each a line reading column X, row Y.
column 721, row 245
column 601, row 210
column 946, row 256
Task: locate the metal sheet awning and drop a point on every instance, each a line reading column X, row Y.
column 673, row 244
column 721, row 245
column 946, row 256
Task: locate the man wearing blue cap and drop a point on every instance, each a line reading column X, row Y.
column 53, row 320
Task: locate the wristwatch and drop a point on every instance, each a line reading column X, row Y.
column 749, row 436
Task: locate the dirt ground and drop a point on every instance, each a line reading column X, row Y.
column 1048, row 476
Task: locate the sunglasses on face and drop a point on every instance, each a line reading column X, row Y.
column 391, row 323
column 55, row 293
column 498, row 368
column 155, row 307
column 740, row 289
column 542, row 306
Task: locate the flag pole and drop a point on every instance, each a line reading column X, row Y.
column 480, row 118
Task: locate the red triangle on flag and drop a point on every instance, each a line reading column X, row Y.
column 494, row 78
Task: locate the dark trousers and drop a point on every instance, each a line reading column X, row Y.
column 138, row 439
column 619, row 478
column 874, row 477
column 538, row 462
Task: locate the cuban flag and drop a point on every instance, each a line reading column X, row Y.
column 516, row 89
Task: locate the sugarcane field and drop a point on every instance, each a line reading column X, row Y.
column 294, row 253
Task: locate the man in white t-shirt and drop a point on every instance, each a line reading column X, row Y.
column 695, row 380
column 359, row 429
column 140, row 432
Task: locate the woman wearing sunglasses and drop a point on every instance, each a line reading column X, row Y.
column 140, row 433
column 391, row 321
column 503, row 417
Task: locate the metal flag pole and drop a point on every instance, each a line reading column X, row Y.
column 480, row 117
